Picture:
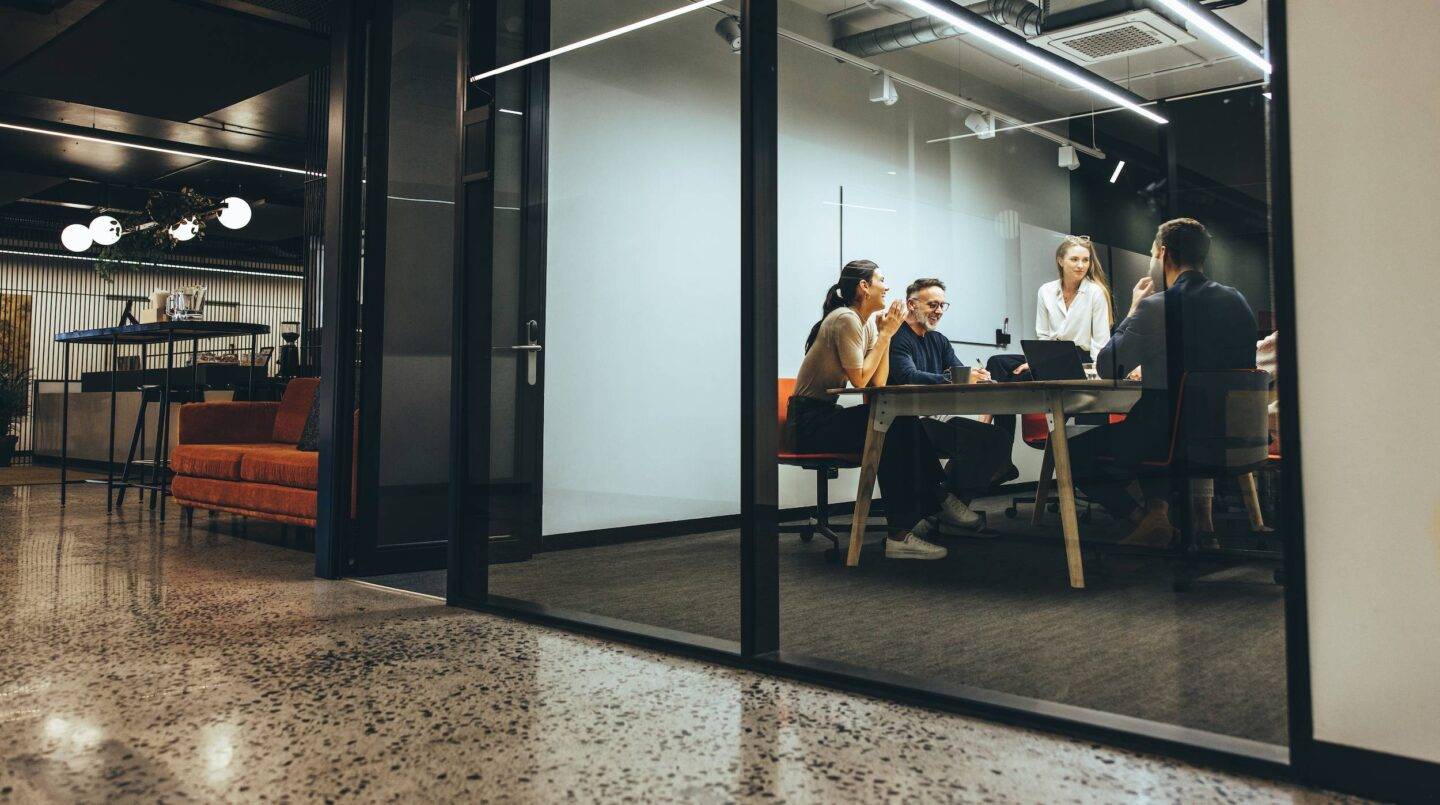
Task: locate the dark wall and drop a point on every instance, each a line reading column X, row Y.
column 1220, row 152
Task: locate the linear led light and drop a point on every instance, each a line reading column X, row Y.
column 856, row 206
column 1206, row 21
column 1116, row 175
column 251, row 272
column 624, row 29
column 137, row 146
column 420, row 200
column 1030, row 55
column 511, row 111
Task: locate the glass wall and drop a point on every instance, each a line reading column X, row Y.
column 1182, row 627
column 1088, row 529
column 611, row 364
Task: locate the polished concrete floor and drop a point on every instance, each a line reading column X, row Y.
column 156, row 662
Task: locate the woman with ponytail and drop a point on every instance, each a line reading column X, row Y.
column 851, row 344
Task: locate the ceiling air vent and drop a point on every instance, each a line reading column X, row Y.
column 1113, row 37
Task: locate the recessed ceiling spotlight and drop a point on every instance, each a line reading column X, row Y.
column 76, row 237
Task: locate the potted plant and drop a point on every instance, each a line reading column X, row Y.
column 14, row 404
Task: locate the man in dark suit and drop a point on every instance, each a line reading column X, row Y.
column 1180, row 320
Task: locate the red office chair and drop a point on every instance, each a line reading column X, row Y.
column 826, row 467
column 1035, row 432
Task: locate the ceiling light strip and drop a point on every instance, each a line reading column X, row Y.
column 948, row 97
column 622, row 30
column 211, row 269
column 156, row 149
column 1119, row 166
column 972, row 23
column 1099, row 112
column 1220, row 31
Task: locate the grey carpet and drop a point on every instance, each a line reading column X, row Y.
column 994, row 614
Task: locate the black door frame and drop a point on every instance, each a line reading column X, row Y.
column 758, row 650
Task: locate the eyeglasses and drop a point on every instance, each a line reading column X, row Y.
column 935, row 307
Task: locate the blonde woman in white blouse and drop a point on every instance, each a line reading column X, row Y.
column 1076, row 307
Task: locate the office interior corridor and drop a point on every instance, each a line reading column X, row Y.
column 164, row 662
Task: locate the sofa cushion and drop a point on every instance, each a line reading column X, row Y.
column 219, row 461
column 280, row 464
column 310, row 434
column 294, row 408
column 246, row 497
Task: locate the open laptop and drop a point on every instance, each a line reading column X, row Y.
column 1053, row 360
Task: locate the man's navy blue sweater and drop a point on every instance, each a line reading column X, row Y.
column 919, row 361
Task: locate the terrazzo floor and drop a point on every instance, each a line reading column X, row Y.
column 150, row 661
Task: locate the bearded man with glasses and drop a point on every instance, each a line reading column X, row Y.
column 978, row 453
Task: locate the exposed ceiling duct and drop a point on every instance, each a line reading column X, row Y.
column 1019, row 15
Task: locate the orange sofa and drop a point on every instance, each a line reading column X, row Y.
column 240, row 457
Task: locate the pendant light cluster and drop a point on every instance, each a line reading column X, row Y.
column 106, row 230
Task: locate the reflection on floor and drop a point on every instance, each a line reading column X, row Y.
column 996, row 614
column 155, row 662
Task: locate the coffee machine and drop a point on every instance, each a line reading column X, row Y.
column 289, row 363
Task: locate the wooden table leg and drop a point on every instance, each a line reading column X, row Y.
column 1251, row 494
column 1064, row 484
column 1042, row 486
column 869, row 464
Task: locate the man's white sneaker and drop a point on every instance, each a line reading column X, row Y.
column 955, row 513
column 912, row 547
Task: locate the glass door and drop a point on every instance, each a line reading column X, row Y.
column 599, row 333
column 403, row 433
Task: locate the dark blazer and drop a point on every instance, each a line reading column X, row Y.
column 1197, row 324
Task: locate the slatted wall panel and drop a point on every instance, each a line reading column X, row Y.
column 67, row 295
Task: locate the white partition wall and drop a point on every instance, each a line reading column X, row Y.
column 1365, row 156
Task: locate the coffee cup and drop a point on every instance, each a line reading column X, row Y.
column 959, row 375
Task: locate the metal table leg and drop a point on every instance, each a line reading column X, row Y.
column 110, row 443
column 250, row 373
column 64, row 417
column 162, row 457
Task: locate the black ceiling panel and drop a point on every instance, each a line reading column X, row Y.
column 169, row 59
column 214, row 131
column 22, row 32
column 19, row 185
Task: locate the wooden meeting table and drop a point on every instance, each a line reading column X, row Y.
column 1059, row 398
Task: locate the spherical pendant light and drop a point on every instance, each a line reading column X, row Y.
column 235, row 214
column 76, row 237
column 184, row 230
column 105, row 230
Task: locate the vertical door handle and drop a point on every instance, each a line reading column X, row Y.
column 532, row 349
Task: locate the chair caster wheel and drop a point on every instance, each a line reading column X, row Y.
column 1085, row 517
column 807, row 536
column 1012, row 512
column 1052, row 507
